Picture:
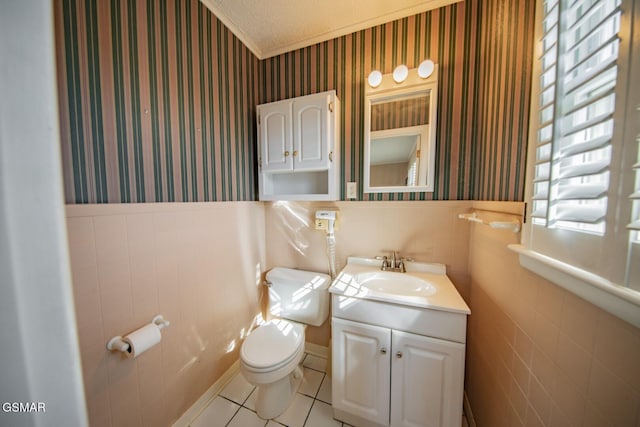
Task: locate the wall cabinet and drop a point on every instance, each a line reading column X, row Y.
column 298, row 148
column 383, row 376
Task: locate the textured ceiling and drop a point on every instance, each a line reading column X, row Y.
column 271, row 27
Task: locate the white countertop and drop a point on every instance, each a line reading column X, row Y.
column 442, row 294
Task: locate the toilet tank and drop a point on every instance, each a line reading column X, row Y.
column 301, row 296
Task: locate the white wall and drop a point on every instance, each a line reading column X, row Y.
column 39, row 351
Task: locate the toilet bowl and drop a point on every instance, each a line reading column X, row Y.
column 270, row 356
column 270, row 359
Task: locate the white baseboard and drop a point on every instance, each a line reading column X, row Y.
column 466, row 407
column 200, row 404
column 316, row 349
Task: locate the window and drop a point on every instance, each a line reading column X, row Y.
column 584, row 167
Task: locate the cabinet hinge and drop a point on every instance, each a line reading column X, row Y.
column 331, row 156
column 417, row 154
column 331, row 107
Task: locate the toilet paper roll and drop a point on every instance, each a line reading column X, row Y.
column 142, row 339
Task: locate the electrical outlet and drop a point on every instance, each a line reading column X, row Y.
column 352, row 190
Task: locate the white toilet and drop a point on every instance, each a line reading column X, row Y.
column 270, row 356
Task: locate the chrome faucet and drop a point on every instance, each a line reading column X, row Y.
column 385, row 262
column 393, row 260
column 395, row 264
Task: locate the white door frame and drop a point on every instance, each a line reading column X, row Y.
column 39, row 356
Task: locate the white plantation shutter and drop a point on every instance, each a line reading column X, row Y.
column 577, row 102
column 583, row 183
column 544, row 138
column 632, row 278
column 634, row 226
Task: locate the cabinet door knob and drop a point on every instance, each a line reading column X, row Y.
column 399, row 355
column 295, row 153
column 286, row 153
column 383, row 350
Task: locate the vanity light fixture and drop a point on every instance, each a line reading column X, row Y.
column 400, row 73
column 375, row 78
column 425, row 69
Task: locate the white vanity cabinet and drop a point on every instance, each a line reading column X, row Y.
column 427, row 380
column 398, row 345
column 361, row 369
column 298, row 148
column 389, row 377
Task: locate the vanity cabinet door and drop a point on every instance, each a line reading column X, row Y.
column 361, row 370
column 427, row 381
column 311, row 132
column 274, row 133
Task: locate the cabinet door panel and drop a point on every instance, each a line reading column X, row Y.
column 360, row 383
column 275, row 137
column 310, row 130
column 427, row 381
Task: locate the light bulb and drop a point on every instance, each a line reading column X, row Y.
column 425, row 69
column 375, row 78
column 400, row 73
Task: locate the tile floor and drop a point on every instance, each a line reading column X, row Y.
column 311, row 406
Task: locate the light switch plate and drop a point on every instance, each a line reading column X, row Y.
column 352, row 190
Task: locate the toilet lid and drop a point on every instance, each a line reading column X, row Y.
column 272, row 343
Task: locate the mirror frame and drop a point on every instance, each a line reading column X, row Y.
column 390, row 90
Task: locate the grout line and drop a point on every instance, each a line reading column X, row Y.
column 308, row 413
column 313, row 369
column 248, row 396
column 235, row 413
column 318, row 392
column 230, row 400
column 314, row 397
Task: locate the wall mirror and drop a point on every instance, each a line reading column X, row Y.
column 400, row 137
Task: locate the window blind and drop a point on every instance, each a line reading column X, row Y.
column 580, row 46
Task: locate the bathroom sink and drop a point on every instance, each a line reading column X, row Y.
column 390, row 282
column 424, row 285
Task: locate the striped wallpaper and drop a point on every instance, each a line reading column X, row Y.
column 483, row 49
column 503, row 67
column 157, row 98
column 157, row 103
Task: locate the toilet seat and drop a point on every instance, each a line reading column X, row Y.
column 272, row 345
column 274, row 368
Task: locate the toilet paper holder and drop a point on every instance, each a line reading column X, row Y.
column 117, row 343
